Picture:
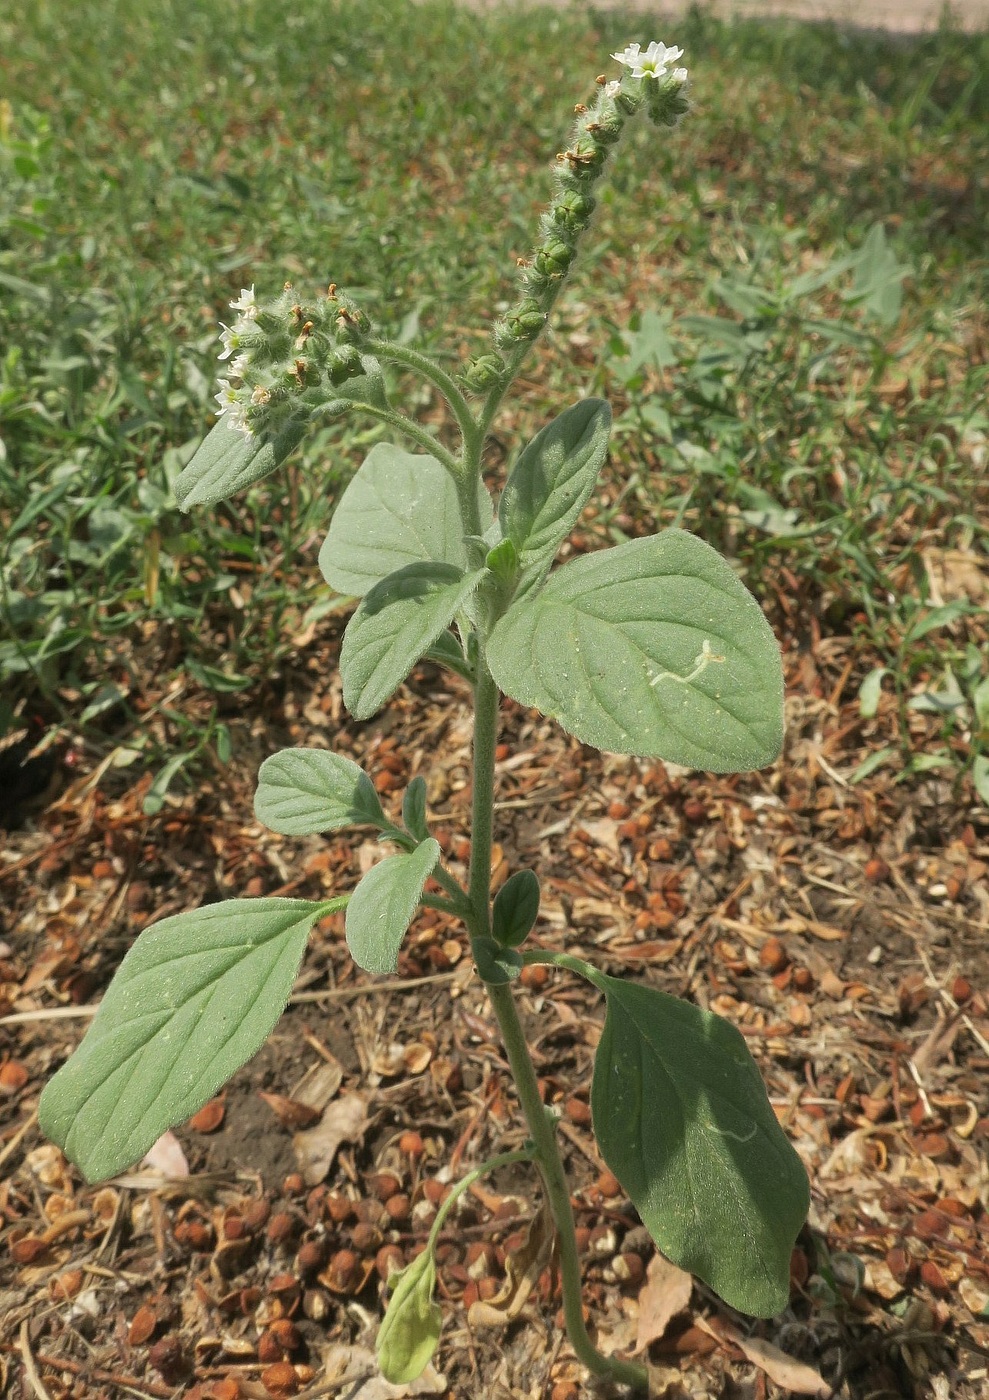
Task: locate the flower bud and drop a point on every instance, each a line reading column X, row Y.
column 553, row 258
column 666, row 100
column 483, row 373
column 524, row 322
column 572, row 210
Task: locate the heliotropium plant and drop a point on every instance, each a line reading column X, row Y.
column 652, row 648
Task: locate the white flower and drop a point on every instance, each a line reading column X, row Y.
column 680, row 74
column 246, row 304
column 231, row 336
column 654, row 63
column 232, row 408
column 613, row 88
column 238, row 366
column 230, row 340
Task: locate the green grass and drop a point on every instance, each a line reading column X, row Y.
column 156, row 159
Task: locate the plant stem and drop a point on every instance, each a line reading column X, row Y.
column 540, row 1124
column 447, row 385
column 411, row 429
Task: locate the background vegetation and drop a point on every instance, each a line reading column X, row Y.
column 803, row 267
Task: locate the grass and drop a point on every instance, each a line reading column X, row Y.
column 802, row 264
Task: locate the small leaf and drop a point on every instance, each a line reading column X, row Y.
column 980, row 777
column 400, row 508
column 384, row 904
column 193, row 1000
column 684, row 1122
column 870, row 691
column 654, row 648
column 410, row 1329
column 397, row 622
column 516, row 906
column 550, row 485
column 414, row 809
column 305, row 791
column 227, row 460
column 495, row 963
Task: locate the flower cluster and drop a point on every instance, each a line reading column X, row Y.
column 283, row 349
column 579, row 167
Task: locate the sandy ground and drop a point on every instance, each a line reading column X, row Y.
column 897, row 16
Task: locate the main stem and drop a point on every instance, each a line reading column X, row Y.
column 539, row 1121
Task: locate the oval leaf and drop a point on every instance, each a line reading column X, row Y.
column 227, row 460
column 414, row 809
column 303, row 791
column 410, row 1329
column 654, row 648
column 384, row 904
column 550, row 485
column 194, row 999
column 397, row 622
column 516, row 906
column 684, row 1122
column 400, row 508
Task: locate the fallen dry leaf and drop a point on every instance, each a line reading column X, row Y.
column 290, row 1112
column 360, row 1364
column 522, row 1270
column 209, row 1117
column 665, row 1293
column 319, row 1085
column 167, row 1156
column 794, row 1376
column 343, row 1121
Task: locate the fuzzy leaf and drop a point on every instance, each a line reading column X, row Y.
column 410, row 1329
column 550, row 485
column 385, row 903
column 304, row 791
column 684, row 1122
column 516, row 906
column 395, row 625
column 400, row 508
column 653, row 648
column 193, row 1000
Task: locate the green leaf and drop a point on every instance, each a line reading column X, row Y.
column 870, row 691
column 410, row 1329
column 516, row 906
column 495, row 963
column 980, row 777
column 878, row 277
column 154, row 798
column 397, row 622
column 401, row 508
column 304, row 791
column 649, row 345
column 870, row 764
column 227, row 460
column 194, row 999
column 384, row 904
column 550, row 485
column 684, row 1122
column 414, row 809
column 653, row 648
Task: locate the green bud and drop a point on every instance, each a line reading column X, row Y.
column 343, row 364
column 667, row 102
column 606, row 127
column 483, row 373
column 503, row 561
column 572, row 210
column 524, row 321
column 553, row 259
column 581, row 163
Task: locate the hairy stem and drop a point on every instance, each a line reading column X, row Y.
column 447, row 385
column 540, row 1124
column 409, row 428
